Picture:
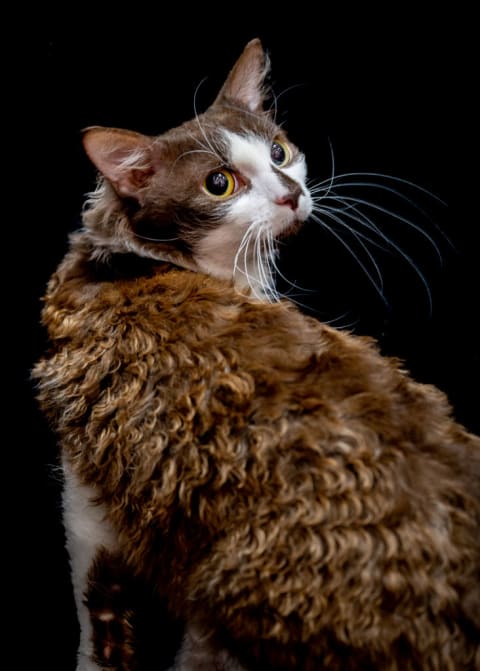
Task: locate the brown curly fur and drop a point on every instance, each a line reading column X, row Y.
column 294, row 496
column 268, row 472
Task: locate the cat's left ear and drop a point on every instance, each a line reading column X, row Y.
column 124, row 157
column 245, row 85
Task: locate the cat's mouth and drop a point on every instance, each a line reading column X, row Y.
column 292, row 223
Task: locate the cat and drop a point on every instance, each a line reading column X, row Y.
column 295, row 497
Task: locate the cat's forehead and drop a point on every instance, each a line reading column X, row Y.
column 239, row 120
column 207, row 137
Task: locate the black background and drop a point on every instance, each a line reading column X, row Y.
column 390, row 89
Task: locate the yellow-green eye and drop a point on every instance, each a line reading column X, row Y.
column 280, row 153
column 220, row 183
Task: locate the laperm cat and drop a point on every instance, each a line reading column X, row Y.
column 296, row 498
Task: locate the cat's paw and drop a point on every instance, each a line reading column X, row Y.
column 111, row 603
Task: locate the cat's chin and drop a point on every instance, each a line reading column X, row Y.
column 291, row 229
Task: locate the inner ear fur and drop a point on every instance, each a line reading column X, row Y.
column 245, row 83
column 124, row 157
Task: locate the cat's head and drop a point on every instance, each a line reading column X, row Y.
column 213, row 194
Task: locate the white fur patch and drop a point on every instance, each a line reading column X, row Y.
column 243, row 247
column 251, row 157
column 86, row 532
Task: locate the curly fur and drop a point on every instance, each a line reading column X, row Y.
column 294, row 496
column 277, row 476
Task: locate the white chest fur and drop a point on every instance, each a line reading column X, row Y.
column 87, row 531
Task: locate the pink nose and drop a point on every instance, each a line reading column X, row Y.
column 290, row 200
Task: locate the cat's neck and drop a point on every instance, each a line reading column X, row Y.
column 87, row 263
column 252, row 277
column 108, row 237
column 111, row 229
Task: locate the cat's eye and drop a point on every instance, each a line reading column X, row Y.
column 280, row 153
column 220, row 183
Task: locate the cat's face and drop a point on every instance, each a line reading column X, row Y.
column 217, row 191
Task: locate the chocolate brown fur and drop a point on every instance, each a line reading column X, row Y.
column 288, row 491
column 277, row 476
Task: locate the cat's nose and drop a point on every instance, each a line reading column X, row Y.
column 290, row 199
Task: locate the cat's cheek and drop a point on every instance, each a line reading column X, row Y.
column 305, row 207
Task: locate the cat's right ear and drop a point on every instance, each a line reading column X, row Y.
column 123, row 157
column 245, row 85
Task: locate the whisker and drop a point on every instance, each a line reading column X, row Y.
column 197, row 119
column 358, row 236
column 292, row 285
column 364, row 221
column 400, row 180
column 378, row 288
column 338, row 185
column 352, row 212
column 275, row 98
column 271, row 254
column 300, row 292
column 274, row 105
column 207, row 148
column 371, row 185
column 258, row 253
column 244, row 110
column 196, row 151
column 242, row 249
column 314, row 188
column 338, row 322
column 394, row 215
column 361, row 218
column 290, row 88
column 144, row 237
column 262, row 273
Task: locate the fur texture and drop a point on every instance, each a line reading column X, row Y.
column 296, row 498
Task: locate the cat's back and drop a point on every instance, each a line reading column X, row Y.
column 127, row 297
column 229, row 400
column 135, row 328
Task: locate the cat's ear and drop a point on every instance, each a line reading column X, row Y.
column 245, row 83
column 123, row 157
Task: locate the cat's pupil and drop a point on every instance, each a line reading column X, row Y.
column 277, row 153
column 217, row 183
